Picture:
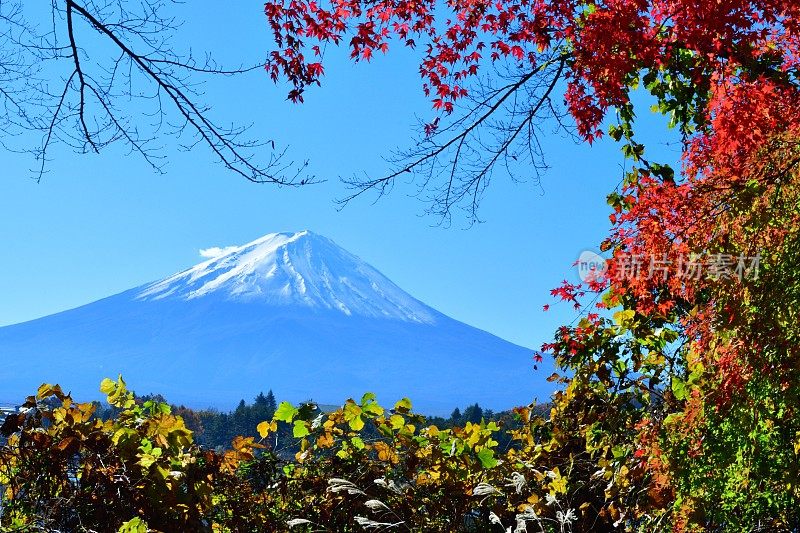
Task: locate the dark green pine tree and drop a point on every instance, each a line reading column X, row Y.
column 262, row 409
column 272, row 405
column 241, row 420
column 260, row 401
column 241, row 408
column 473, row 413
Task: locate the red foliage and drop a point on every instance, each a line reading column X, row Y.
column 728, row 70
column 609, row 41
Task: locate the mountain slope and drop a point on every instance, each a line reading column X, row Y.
column 302, row 269
column 291, row 312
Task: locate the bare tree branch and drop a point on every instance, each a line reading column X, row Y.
column 104, row 72
column 500, row 125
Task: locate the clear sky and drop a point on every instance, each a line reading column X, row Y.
column 99, row 224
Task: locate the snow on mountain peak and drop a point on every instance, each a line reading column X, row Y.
column 303, row 269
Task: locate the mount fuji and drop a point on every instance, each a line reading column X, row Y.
column 292, row 312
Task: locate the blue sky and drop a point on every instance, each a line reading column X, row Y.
column 99, row 224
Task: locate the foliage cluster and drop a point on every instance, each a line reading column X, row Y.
column 683, row 383
column 360, row 467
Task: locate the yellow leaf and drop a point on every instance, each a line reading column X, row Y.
column 44, row 391
column 107, row 386
column 385, row 453
column 403, row 406
column 267, row 427
column 397, row 421
column 325, row 440
column 146, row 461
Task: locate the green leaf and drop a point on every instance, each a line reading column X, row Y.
column 300, row 429
column 116, row 392
column 486, row 457
column 368, row 397
column 397, row 421
column 134, row 525
column 619, row 452
column 107, row 387
column 357, row 423
column 351, row 410
column 146, row 461
column 286, row 412
column 372, row 408
column 678, row 388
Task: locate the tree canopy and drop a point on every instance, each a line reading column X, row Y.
column 683, row 377
column 496, row 71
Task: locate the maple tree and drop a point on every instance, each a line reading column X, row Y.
column 597, row 52
column 684, row 387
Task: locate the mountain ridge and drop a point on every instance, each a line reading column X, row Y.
column 301, row 268
column 216, row 332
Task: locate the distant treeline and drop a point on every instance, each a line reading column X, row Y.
column 211, row 427
column 216, row 429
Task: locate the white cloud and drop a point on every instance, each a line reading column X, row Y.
column 216, row 251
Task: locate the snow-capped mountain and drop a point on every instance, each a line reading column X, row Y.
column 291, row 312
column 302, row 269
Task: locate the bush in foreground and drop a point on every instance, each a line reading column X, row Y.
column 359, row 468
column 362, row 467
